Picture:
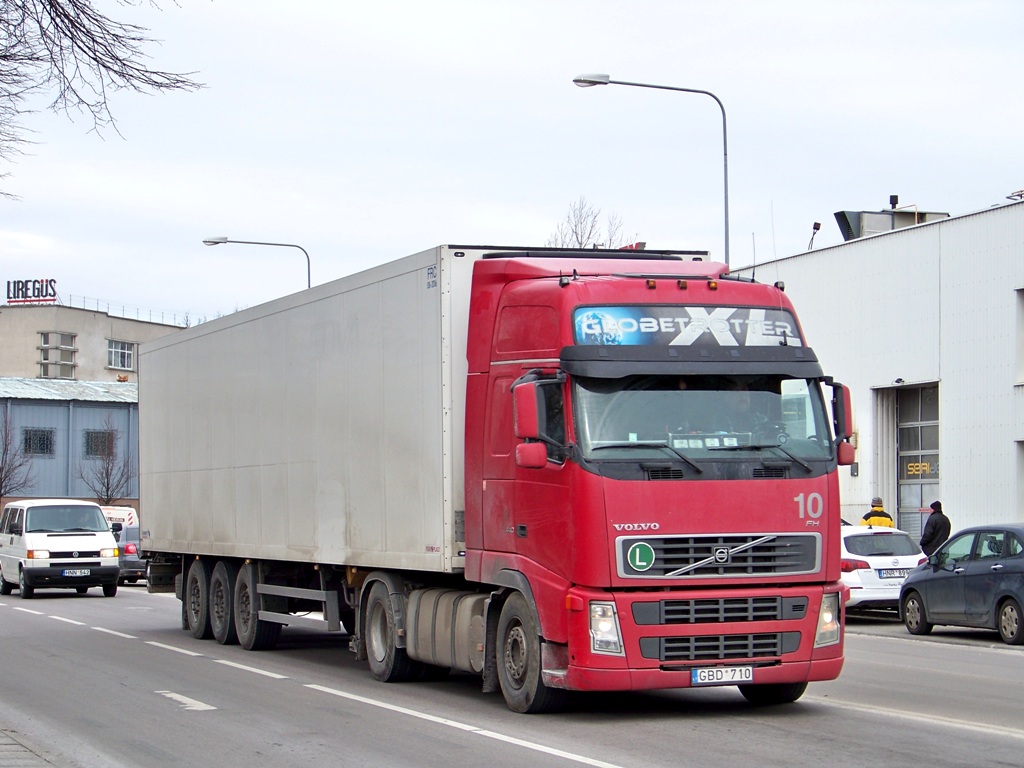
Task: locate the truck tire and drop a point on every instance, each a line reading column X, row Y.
column 24, row 589
column 773, row 693
column 197, row 599
column 388, row 662
column 519, row 660
column 222, row 603
column 254, row 634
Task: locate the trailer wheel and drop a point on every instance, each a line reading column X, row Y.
column 773, row 693
column 197, row 599
column 254, row 633
column 388, row 662
column 222, row 603
column 519, row 660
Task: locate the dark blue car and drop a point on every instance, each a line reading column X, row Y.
column 975, row 579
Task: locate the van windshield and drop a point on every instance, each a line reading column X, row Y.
column 65, row 518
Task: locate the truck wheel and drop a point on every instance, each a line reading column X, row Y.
column 222, row 603
column 110, row 590
column 519, row 660
column 25, row 590
column 914, row 615
column 388, row 662
column 197, row 601
column 254, row 634
column 5, row 586
column 773, row 693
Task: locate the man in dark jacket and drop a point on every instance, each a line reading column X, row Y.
column 936, row 529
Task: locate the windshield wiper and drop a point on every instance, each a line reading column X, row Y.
column 765, row 446
column 663, row 446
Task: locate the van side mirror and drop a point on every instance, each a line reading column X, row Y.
column 116, row 527
column 17, row 529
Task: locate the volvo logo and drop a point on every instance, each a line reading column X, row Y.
column 721, row 555
column 636, row 526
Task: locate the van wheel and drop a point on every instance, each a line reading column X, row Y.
column 109, row 590
column 254, row 633
column 25, row 590
column 5, row 586
column 81, row 590
column 197, row 600
column 388, row 662
column 222, row 603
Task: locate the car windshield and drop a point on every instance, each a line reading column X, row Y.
column 881, row 544
column 700, row 417
column 65, row 518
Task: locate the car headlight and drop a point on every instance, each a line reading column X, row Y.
column 605, row 636
column 828, row 621
column 108, row 552
column 38, row 554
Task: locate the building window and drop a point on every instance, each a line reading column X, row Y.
column 38, row 442
column 99, row 444
column 121, row 355
column 57, row 353
column 917, row 415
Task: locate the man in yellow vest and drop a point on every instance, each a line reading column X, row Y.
column 877, row 516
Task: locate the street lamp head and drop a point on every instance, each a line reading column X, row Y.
column 215, row 241
column 585, row 81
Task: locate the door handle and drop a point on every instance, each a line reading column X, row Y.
column 997, row 567
column 959, row 570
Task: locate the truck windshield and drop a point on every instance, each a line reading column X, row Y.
column 700, row 417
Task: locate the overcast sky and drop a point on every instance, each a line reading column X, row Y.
column 366, row 131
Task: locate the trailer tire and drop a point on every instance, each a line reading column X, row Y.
column 388, row 662
column 222, row 603
column 518, row 653
column 773, row 693
column 254, row 633
column 197, row 599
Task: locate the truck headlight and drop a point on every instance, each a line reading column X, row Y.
column 108, row 552
column 605, row 636
column 828, row 621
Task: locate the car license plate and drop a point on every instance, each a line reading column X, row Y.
column 893, row 573
column 721, row 675
column 76, row 571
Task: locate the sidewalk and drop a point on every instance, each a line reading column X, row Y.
column 15, row 754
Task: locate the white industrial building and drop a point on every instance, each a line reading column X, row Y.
column 926, row 325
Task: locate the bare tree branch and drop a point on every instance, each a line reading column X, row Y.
column 581, row 228
column 70, row 49
column 108, row 476
column 15, row 465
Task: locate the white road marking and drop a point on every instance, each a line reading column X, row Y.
column 263, row 672
column 69, row 621
column 118, row 634
column 186, row 703
column 466, row 727
column 172, row 648
column 29, row 610
column 947, row 722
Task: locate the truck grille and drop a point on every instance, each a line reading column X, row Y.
column 719, row 647
column 722, row 556
column 719, row 610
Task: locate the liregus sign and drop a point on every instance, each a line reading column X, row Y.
column 31, row 291
column 675, row 325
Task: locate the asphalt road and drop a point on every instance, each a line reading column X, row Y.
column 99, row 682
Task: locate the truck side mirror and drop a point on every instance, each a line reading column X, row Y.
column 531, row 455
column 525, row 413
column 842, row 417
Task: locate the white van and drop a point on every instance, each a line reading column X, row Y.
column 60, row 543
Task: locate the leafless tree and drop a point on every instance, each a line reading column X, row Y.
column 108, row 475
column 71, row 50
column 581, row 228
column 15, row 465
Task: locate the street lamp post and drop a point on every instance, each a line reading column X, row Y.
column 222, row 240
column 585, row 81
